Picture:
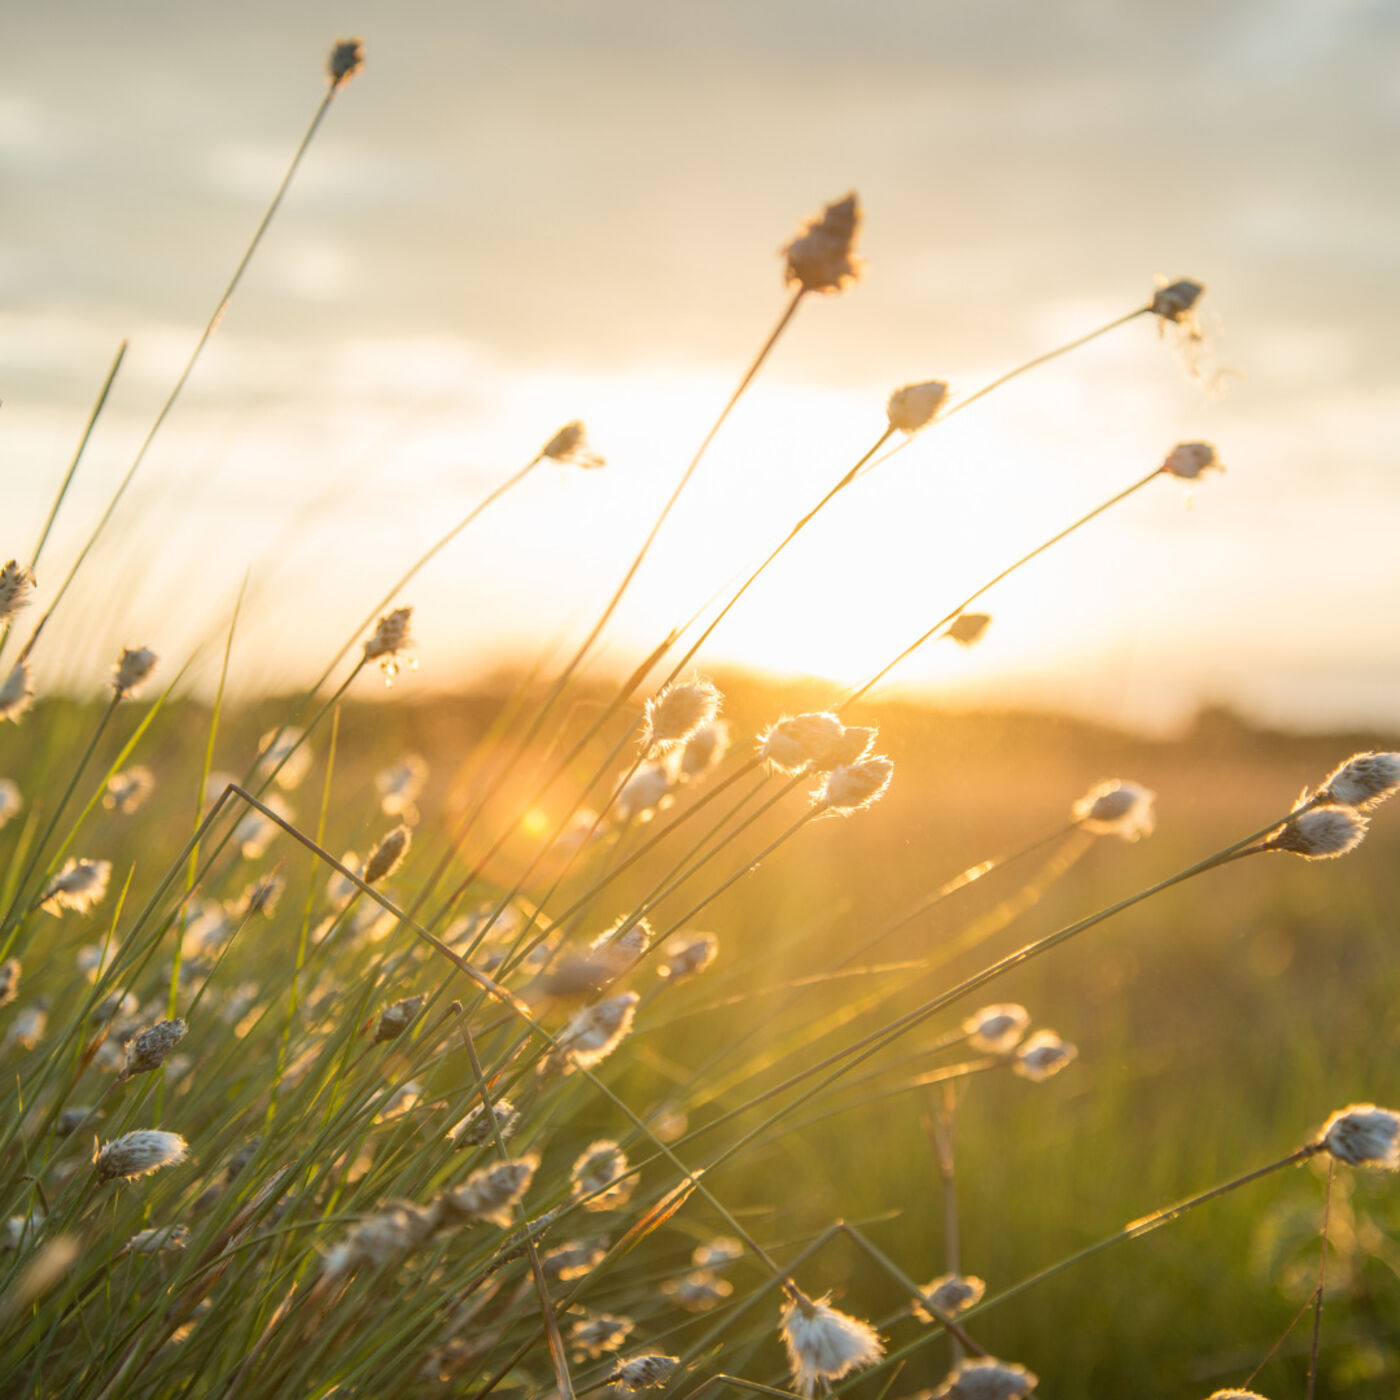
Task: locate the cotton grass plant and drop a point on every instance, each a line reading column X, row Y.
column 284, row 1120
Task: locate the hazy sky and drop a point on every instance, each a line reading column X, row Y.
column 522, row 213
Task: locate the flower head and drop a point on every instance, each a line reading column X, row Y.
column 10, row 972
column 16, row 589
column 915, row 406
column 950, row 1294
column 347, row 58
column 390, row 636
column 855, row 786
column 475, row 1129
column 1042, row 1055
column 10, row 800
column 572, row 1260
column 1363, row 1136
column 685, row 954
column 642, row 1372
column 132, row 671
column 967, row 628
column 986, row 1378
column 285, row 756
column 594, row 1336
column 138, row 1154
column 723, row 1249
column 597, row 1030
column 78, row 886
column 1189, row 460
column 704, row 750
column 400, row 785
column 824, row 1344
column 163, row 1239
column 128, row 791
column 388, row 855
column 698, row 1291
column 149, row 1049
column 1319, row 833
column 1177, row 300
column 17, row 694
column 1116, row 807
column 394, row 1020
column 570, row 445
column 493, row 1192
column 675, row 713
column 645, row 793
column 821, row 257
column 1365, row 780
column 995, row 1030
column 600, row 1179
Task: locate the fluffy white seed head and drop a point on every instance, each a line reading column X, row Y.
column 163, row 1239
column 127, row 791
column 1042, row 1055
column 599, row 1177
column 1364, row 1136
column 400, row 785
column 685, row 954
column 11, row 803
column 698, row 1291
column 675, row 713
column 491, row 1193
column 347, row 58
column 597, row 1030
column 996, row 1029
column 1365, row 780
column 78, row 886
column 16, row 589
column 715, row 1253
column 570, row 444
column 1117, row 807
column 704, row 750
column 390, row 637
column 149, row 1049
column 138, row 1154
column 385, row 1238
column 388, row 855
column 986, row 1378
column 595, row 1336
column 394, row 1020
column 1177, row 300
column 133, row 670
column 915, row 406
column 17, row 693
column 1190, row 460
column 821, row 257
column 645, row 793
column 855, row 786
column 475, row 1129
column 1319, row 833
column 950, row 1294
column 796, row 744
column 966, row 628
column 9, row 980
column 824, row 1344
column 285, row 752
column 572, row 1260
column 643, row 1372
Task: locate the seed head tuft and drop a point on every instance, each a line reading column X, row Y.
column 78, row 886
column 597, row 1030
column 599, row 1178
column 388, row 855
column 950, row 1294
column 698, row 1291
column 1042, row 1055
column 162, row 1240
column 855, row 786
column 149, row 1049
column 138, row 1154
column 128, row 791
column 915, row 406
column 16, row 589
column 796, row 744
column 821, row 257
column 1176, row 301
column 966, row 628
column 592, row 1337
column 400, row 785
column 9, row 980
column 1190, row 460
column 10, row 800
column 132, row 671
column 1363, row 1136
column 676, row 712
column 824, row 1344
column 686, row 954
column 1116, row 807
column 570, row 444
column 492, row 1192
column 1364, row 781
column 17, row 694
column 645, row 793
column 995, row 1030
column 642, row 1372
column 704, row 750
column 986, row 1378
column 475, row 1129
column 1319, row 833
column 347, row 58
column 396, row 1019
column 390, row 636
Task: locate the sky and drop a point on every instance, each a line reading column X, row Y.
column 521, row 214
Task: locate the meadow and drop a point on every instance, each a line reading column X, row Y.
column 685, row 1031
